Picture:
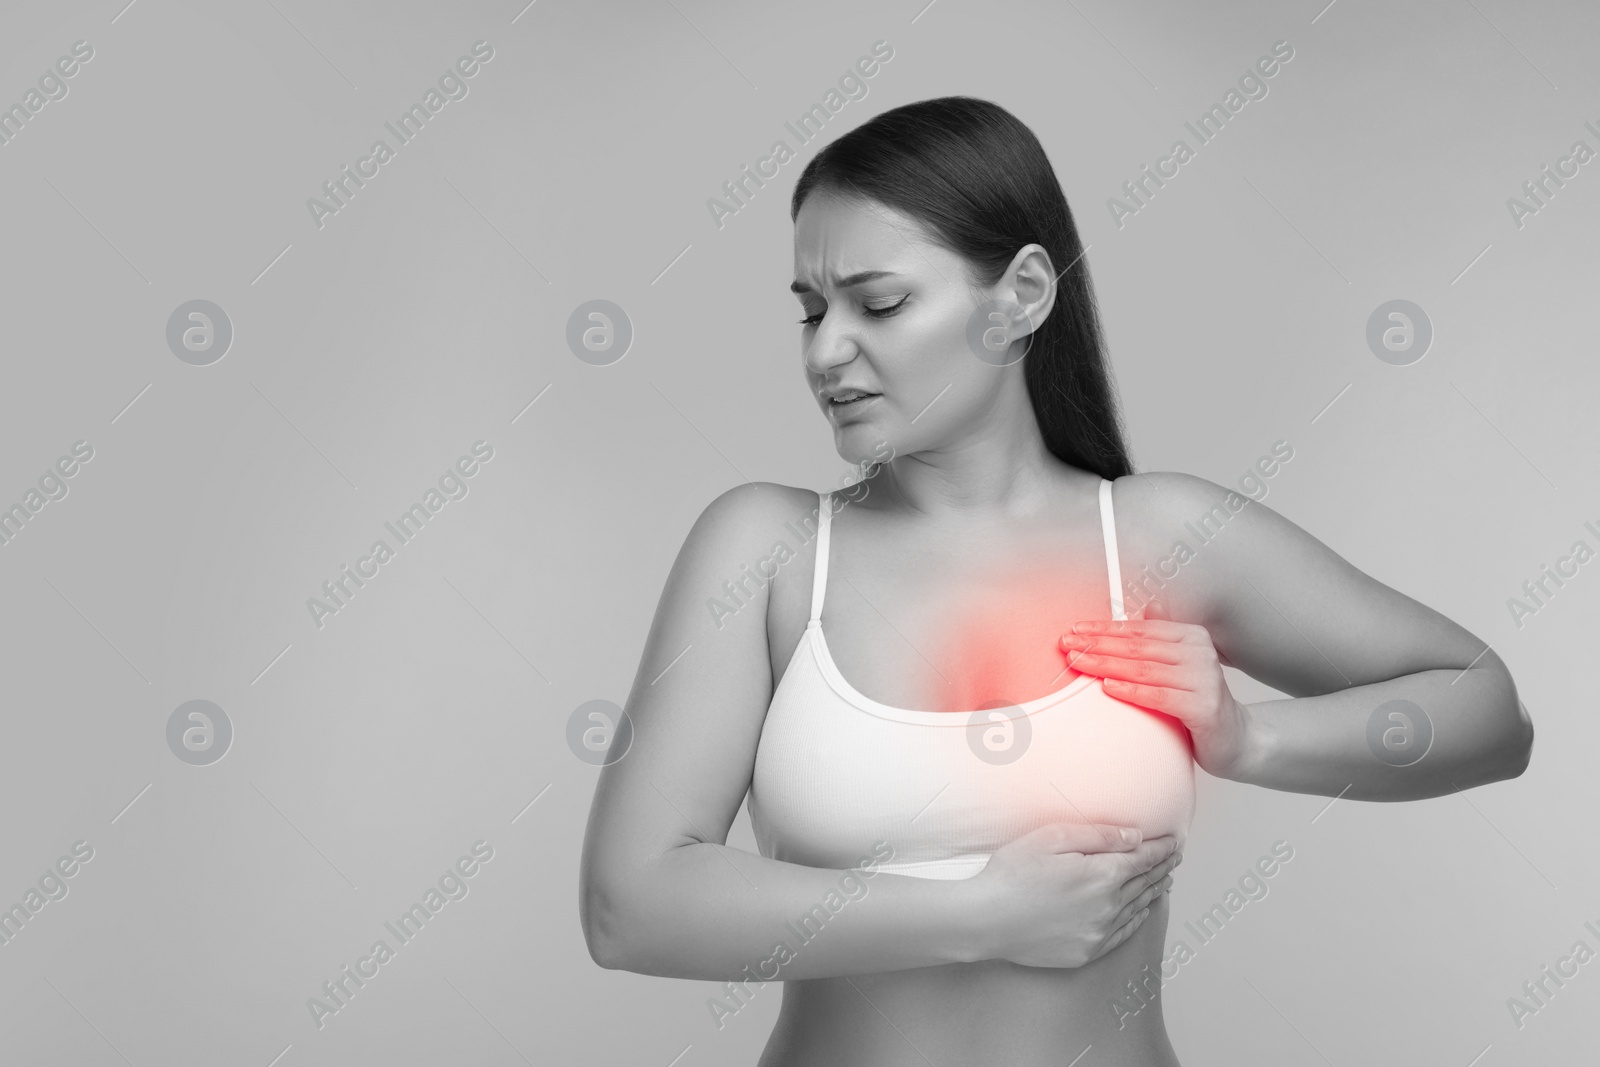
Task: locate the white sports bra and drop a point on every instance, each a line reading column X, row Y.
column 836, row 772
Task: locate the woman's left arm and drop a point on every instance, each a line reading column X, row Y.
column 1389, row 700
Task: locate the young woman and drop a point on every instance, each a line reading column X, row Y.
column 942, row 874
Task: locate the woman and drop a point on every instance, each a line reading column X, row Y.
column 943, row 877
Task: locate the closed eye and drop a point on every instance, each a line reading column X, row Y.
column 876, row 313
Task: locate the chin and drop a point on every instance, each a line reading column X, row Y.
column 864, row 443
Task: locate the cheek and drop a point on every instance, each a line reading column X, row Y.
column 931, row 349
column 943, row 364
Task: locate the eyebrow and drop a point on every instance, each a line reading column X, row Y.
column 845, row 283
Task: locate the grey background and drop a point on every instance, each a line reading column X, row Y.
column 371, row 753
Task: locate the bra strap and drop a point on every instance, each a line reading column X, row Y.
column 1108, row 528
column 819, row 580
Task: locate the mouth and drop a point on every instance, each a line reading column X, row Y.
column 851, row 401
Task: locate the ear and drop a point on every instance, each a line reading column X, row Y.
column 1030, row 283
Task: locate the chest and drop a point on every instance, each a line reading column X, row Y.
column 949, row 624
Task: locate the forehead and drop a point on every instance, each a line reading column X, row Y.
column 836, row 236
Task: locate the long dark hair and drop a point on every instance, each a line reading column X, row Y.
column 979, row 180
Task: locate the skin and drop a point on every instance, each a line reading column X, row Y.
column 1020, row 963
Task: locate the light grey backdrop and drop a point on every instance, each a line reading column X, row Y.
column 430, row 712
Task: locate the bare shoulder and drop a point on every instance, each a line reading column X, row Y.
column 1171, row 529
column 1161, row 496
column 748, row 514
column 723, row 550
column 738, row 529
column 1278, row 603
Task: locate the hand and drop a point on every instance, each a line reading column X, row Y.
column 1067, row 893
column 1170, row 667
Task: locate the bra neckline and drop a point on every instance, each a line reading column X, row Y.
column 842, row 687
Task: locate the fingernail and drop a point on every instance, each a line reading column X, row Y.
column 1129, row 835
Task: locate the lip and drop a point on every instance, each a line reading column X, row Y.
column 843, row 390
column 837, row 410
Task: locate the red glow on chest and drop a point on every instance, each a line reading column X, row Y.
column 1001, row 643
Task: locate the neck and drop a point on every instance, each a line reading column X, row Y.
column 1001, row 469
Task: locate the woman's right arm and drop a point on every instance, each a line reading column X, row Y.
column 661, row 893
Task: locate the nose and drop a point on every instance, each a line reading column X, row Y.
column 832, row 345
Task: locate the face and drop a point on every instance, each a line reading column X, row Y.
column 886, row 311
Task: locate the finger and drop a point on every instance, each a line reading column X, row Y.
column 1136, row 870
column 1152, row 852
column 1157, row 629
column 1105, row 664
column 1156, row 698
column 1126, row 647
column 1122, row 933
column 1145, row 898
column 1141, row 879
column 1091, row 837
column 1074, row 837
column 1155, row 609
column 1138, row 885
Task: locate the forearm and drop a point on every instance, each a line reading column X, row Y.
column 714, row 913
column 1466, row 729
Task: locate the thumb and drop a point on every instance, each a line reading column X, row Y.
column 1091, row 837
column 1155, row 609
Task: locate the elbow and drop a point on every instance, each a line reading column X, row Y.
column 604, row 928
column 1509, row 748
column 605, row 953
column 602, row 912
column 1518, row 749
column 1511, row 751
column 626, row 923
column 621, row 927
column 602, row 940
